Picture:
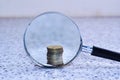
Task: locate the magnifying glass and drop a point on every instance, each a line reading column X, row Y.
column 52, row 40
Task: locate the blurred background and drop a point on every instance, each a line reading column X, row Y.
column 99, row 24
column 74, row 8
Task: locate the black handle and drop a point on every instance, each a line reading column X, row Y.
column 105, row 53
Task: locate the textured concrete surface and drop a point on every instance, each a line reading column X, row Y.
column 16, row 65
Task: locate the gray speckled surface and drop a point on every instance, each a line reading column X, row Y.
column 16, row 65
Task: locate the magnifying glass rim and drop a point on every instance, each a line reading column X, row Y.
column 35, row 61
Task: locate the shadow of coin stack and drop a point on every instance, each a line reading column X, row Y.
column 54, row 55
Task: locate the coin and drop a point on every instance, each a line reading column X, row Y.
column 54, row 55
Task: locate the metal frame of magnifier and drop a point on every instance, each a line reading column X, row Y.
column 95, row 51
column 39, row 64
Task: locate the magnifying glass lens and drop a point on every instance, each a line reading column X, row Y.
column 52, row 39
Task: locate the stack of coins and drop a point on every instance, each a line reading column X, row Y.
column 54, row 55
